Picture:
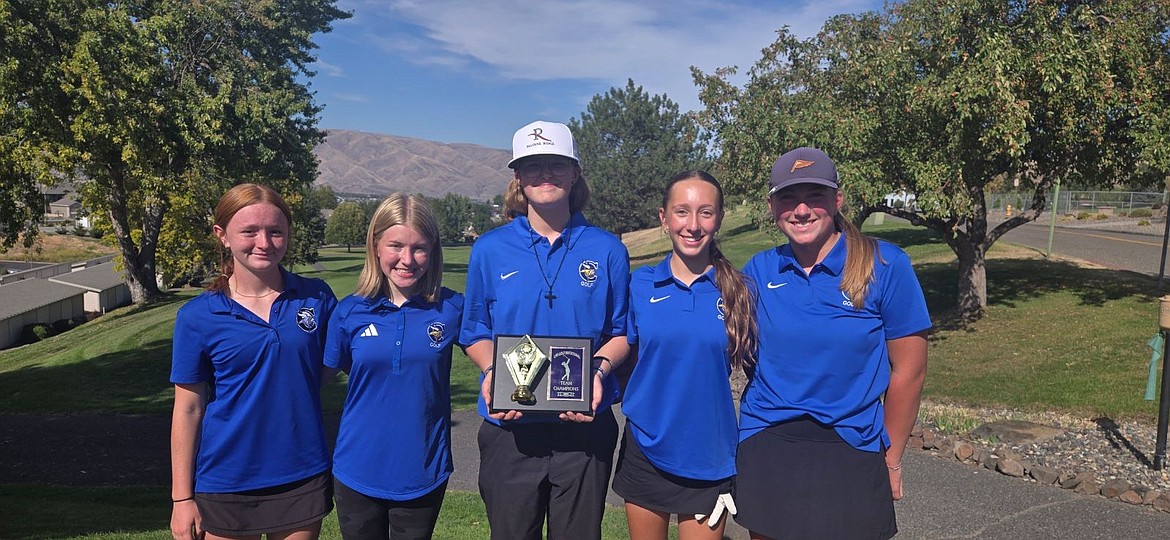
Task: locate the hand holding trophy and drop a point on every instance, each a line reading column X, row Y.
column 524, row 362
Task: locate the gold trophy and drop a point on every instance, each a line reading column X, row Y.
column 524, row 361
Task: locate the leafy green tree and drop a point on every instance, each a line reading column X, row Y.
column 324, row 197
column 32, row 35
column 347, row 225
column 630, row 144
column 944, row 98
column 456, row 214
column 163, row 98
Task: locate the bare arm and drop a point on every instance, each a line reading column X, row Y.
column 907, row 373
column 186, row 420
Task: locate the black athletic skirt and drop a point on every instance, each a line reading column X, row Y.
column 639, row 482
column 800, row 480
column 267, row 510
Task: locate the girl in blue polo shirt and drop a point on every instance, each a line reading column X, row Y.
column 842, row 322
column 393, row 337
column 690, row 322
column 548, row 272
column 248, row 453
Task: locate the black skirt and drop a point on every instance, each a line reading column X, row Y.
column 639, row 482
column 267, row 510
column 800, row 480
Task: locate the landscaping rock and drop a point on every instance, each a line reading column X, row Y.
column 964, row 450
column 1114, row 488
column 1131, row 497
column 928, row 439
column 1044, row 475
column 1010, row 467
column 1149, row 495
column 1162, row 502
column 917, row 430
column 1016, row 432
column 944, row 446
column 1075, row 480
column 1088, row 486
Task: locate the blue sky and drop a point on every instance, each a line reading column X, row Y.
column 475, row 71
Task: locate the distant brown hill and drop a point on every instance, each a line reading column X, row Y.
column 375, row 164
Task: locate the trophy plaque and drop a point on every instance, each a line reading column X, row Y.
column 542, row 374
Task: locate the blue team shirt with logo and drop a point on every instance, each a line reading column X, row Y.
column 818, row 354
column 395, row 436
column 262, row 424
column 678, row 401
column 506, row 291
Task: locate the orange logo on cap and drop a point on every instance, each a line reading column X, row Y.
column 536, row 135
column 800, row 164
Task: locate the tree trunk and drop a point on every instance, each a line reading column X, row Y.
column 972, row 287
column 138, row 263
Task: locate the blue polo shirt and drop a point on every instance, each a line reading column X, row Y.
column 678, row 401
column 506, row 291
column 818, row 354
column 395, row 436
column 262, row 424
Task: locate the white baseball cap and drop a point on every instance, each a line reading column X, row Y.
column 543, row 138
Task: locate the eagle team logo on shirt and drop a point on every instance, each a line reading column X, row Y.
column 306, row 319
column 719, row 308
column 588, row 271
column 435, row 331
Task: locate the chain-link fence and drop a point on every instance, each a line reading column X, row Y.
column 1074, row 202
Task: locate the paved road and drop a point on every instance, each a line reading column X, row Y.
column 945, row 500
column 1138, row 249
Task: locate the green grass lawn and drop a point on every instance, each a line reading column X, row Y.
column 36, row 512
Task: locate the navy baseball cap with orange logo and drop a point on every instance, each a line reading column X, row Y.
column 803, row 165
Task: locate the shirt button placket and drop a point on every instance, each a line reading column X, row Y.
column 400, row 334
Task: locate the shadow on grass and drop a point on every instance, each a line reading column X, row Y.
column 60, row 512
column 907, row 237
column 134, row 380
column 1012, row 281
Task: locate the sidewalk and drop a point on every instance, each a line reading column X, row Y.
column 944, row 499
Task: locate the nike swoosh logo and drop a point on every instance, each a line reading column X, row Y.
column 509, row 274
column 775, row 285
column 657, row 300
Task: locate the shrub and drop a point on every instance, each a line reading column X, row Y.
column 96, row 233
column 64, row 325
column 35, row 332
column 1100, row 217
column 1141, row 212
column 1083, row 215
column 1144, row 223
column 61, row 229
column 78, row 230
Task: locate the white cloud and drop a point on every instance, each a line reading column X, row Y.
column 652, row 42
column 328, row 69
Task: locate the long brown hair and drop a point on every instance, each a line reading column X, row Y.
column 516, row 203
column 860, row 254
column 410, row 211
column 233, row 201
column 739, row 299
